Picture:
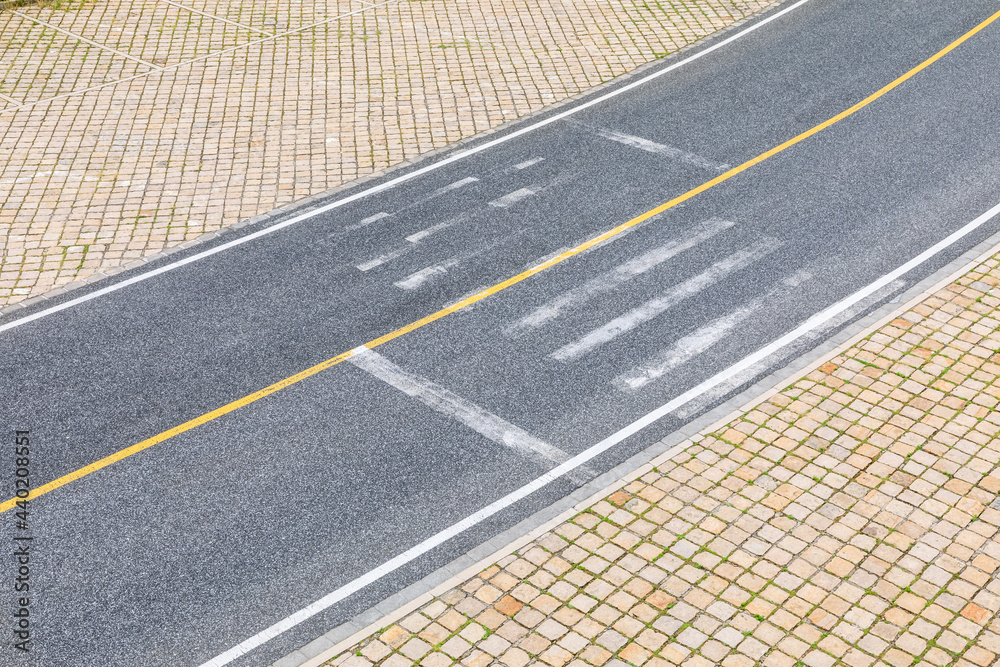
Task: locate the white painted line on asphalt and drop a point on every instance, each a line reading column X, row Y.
column 666, row 151
column 683, row 350
column 367, row 221
column 415, row 280
column 528, row 163
column 424, row 233
column 176, row 264
column 606, row 282
column 455, row 186
column 439, row 538
column 700, row 340
column 659, row 305
column 700, row 404
column 451, row 405
column 382, row 259
column 512, row 197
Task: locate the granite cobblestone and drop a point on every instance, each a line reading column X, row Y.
column 849, row 519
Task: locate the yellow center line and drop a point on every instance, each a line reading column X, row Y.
column 479, row 296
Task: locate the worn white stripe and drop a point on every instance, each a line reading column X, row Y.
column 700, row 340
column 424, row 233
column 474, row 519
column 456, row 185
column 447, row 403
column 512, row 197
column 391, row 183
column 367, row 221
column 655, row 307
column 660, row 149
column 698, row 405
column 528, row 163
column 683, row 350
column 382, row 259
column 621, row 274
column 415, row 280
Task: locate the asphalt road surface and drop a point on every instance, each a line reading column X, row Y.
column 173, row 555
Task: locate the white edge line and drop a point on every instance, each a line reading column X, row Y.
column 399, row 179
column 493, row 508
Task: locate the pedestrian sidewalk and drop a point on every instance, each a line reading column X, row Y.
column 848, row 519
column 131, row 127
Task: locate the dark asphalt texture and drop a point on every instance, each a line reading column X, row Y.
column 174, row 555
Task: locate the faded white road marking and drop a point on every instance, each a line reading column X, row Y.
column 418, row 550
column 424, row 233
column 696, row 406
column 280, row 627
column 453, row 186
column 436, row 193
column 413, row 239
column 512, row 197
column 382, row 259
column 528, row 163
column 697, row 342
column 662, row 303
column 447, row 403
column 660, row 149
column 415, row 280
column 419, row 278
column 683, row 350
column 606, row 282
column 367, row 221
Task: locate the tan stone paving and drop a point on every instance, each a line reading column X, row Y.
column 846, row 520
column 155, row 121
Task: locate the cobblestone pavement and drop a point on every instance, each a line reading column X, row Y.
column 847, row 520
column 131, row 126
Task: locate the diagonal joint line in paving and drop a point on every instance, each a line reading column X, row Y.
column 84, row 39
column 468, row 301
column 217, row 18
column 157, row 69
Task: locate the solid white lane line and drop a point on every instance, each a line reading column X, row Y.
column 700, row 340
column 399, row 179
column 512, row 197
column 439, row 538
column 451, row 405
column 666, row 151
column 700, row 404
column 621, row 274
column 657, row 306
